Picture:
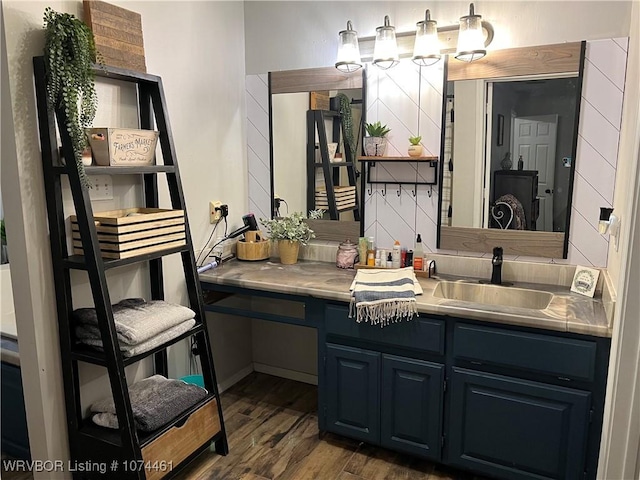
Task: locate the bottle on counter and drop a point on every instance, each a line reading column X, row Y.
column 418, row 253
column 409, row 259
column 389, row 260
column 403, row 258
column 378, row 259
column 395, row 254
column 520, row 163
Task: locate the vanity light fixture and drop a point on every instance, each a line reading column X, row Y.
column 470, row 37
column 385, row 51
column 348, row 50
column 426, row 50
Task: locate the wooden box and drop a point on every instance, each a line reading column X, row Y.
column 122, row 146
column 319, row 101
column 134, row 231
column 179, row 442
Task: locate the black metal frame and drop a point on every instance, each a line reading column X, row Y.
column 315, row 123
column 85, row 441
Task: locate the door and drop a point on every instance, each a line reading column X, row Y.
column 535, row 139
column 412, row 406
column 507, row 427
column 353, row 392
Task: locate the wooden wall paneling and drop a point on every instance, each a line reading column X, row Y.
column 513, row 62
column 312, row 79
column 514, row 242
column 117, row 33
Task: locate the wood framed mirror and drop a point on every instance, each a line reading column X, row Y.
column 509, row 142
column 290, row 97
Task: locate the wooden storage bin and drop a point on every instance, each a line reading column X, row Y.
column 134, row 231
column 253, row 251
column 177, row 443
column 122, row 146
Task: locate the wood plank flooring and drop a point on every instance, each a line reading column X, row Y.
column 272, row 429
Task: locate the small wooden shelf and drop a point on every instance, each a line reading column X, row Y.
column 115, row 170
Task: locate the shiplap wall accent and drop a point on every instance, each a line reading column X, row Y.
column 257, row 87
column 395, row 97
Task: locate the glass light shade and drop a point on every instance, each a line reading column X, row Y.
column 471, row 38
column 385, row 51
column 426, row 50
column 348, row 50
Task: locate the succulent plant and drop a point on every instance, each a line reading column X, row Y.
column 377, row 129
column 415, row 140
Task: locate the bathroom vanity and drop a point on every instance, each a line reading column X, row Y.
column 504, row 391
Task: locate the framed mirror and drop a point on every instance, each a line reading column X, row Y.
column 509, row 140
column 298, row 182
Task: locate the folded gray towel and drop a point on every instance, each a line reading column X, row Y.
column 137, row 320
column 155, row 401
column 87, row 336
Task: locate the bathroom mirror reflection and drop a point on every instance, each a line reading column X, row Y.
column 509, row 143
column 295, row 183
column 526, row 153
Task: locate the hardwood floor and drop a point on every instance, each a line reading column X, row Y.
column 272, row 428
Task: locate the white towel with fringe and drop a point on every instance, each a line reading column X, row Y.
column 382, row 296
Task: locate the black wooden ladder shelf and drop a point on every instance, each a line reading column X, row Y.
column 132, row 449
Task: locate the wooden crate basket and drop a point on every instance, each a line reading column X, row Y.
column 134, row 231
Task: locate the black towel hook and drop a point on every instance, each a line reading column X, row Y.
column 399, row 191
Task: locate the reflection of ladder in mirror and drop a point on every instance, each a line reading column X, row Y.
column 334, row 197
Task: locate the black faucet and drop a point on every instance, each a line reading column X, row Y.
column 431, row 267
column 496, row 261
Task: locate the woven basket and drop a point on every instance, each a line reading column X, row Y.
column 288, row 251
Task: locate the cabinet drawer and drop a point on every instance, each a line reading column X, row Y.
column 560, row 357
column 423, row 334
column 176, row 444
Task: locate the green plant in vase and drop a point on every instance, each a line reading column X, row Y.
column 415, row 149
column 376, row 143
column 69, row 56
column 290, row 232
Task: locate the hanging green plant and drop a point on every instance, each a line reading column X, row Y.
column 347, row 122
column 69, row 55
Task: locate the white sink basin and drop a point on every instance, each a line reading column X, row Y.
column 493, row 295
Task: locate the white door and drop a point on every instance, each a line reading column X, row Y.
column 535, row 140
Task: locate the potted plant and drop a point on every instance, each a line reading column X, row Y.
column 347, row 122
column 290, row 232
column 376, row 143
column 415, row 149
column 69, row 56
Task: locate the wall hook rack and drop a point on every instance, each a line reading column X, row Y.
column 384, row 190
column 370, row 190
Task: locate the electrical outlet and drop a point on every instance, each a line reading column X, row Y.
column 102, row 187
column 214, row 215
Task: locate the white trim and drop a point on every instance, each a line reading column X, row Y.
column 286, row 373
column 235, row 378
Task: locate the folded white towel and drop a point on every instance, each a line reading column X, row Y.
column 153, row 342
column 136, row 320
column 381, row 296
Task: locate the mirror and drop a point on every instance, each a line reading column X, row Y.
column 296, row 183
column 508, row 143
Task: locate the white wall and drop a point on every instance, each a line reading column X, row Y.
column 204, row 87
column 292, row 35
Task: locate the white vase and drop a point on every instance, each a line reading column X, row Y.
column 375, row 146
column 415, row 150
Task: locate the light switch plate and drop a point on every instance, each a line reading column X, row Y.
column 102, row 187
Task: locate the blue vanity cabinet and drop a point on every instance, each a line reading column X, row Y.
column 411, row 410
column 353, row 392
column 512, row 428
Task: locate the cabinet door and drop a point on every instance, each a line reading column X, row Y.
column 512, row 428
column 353, row 392
column 412, row 406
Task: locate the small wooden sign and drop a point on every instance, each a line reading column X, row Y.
column 117, row 33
